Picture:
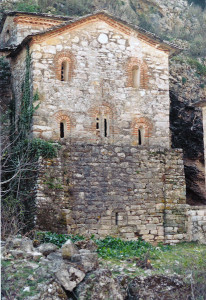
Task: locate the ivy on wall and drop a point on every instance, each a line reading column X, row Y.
column 21, row 153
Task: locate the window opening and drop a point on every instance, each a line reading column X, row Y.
column 97, row 123
column 7, row 35
column 61, row 130
column 136, row 77
column 139, row 137
column 105, row 127
column 116, row 218
column 64, row 71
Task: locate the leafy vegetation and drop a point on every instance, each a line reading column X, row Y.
column 55, row 238
column 20, row 154
column 111, row 247
column 200, row 68
column 27, row 6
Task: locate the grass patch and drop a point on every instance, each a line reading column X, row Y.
column 183, row 259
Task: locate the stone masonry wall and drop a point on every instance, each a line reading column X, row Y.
column 100, row 59
column 17, row 27
column 119, row 190
column 197, row 224
column 18, row 68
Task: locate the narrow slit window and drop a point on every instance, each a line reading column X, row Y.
column 97, row 123
column 62, row 72
column 116, row 218
column 61, row 130
column 139, row 137
column 65, row 71
column 136, row 77
column 105, row 127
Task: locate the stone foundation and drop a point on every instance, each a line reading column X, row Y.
column 197, row 224
column 114, row 190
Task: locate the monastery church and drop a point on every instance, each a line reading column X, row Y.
column 103, row 87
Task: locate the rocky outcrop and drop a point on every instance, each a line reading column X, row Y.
column 188, row 87
column 80, row 277
column 158, row 287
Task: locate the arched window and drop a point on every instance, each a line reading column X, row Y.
column 105, row 127
column 65, row 71
column 137, row 73
column 136, row 77
column 141, row 133
column 61, row 129
column 102, row 125
column 63, row 125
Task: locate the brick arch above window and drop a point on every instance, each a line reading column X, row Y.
column 98, row 114
column 133, row 63
column 64, row 57
column 144, row 125
column 61, row 116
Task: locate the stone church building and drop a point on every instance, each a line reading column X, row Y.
column 103, row 89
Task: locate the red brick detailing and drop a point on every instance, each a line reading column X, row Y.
column 142, row 122
column 36, row 21
column 144, row 77
column 104, row 109
column 61, row 116
column 110, row 21
column 59, row 58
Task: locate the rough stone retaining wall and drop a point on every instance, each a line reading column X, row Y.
column 119, row 190
column 197, row 224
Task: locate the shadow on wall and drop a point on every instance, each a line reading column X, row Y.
column 187, row 133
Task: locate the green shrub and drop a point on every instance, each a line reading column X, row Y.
column 117, row 248
column 27, row 6
column 184, row 80
column 200, row 68
column 57, row 239
column 43, row 148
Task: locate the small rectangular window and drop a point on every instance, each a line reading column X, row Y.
column 116, row 218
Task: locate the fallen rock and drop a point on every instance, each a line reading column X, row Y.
column 99, row 285
column 69, row 277
column 47, row 248
column 17, row 253
column 13, row 243
column 86, row 244
column 88, row 260
column 55, row 256
column 68, row 250
column 53, row 291
column 158, row 287
column 26, row 245
column 36, row 255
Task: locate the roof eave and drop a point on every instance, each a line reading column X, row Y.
column 161, row 45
